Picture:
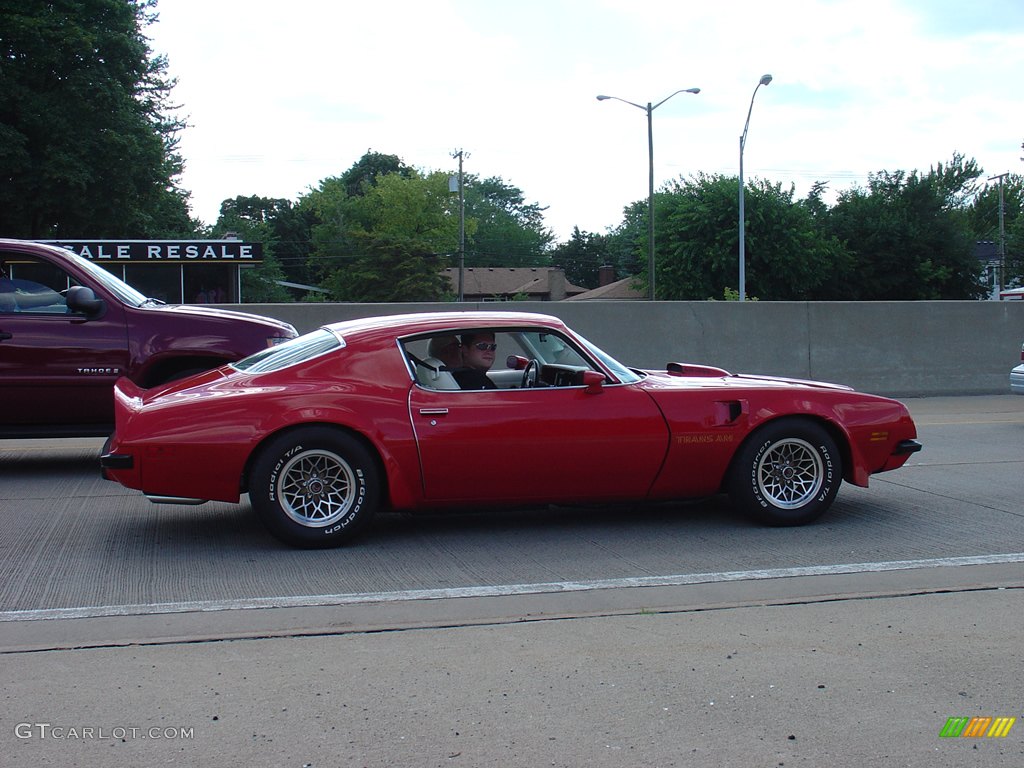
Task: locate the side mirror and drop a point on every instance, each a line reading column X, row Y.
column 516, row 363
column 593, row 381
column 82, row 299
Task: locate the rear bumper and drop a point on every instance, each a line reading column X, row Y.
column 111, row 461
column 116, row 461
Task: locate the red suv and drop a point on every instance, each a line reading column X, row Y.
column 69, row 329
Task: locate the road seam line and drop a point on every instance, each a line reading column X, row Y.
column 502, row 590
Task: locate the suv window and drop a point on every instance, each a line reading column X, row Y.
column 30, row 285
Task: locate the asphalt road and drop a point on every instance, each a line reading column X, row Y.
column 629, row 636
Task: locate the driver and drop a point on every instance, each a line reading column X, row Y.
column 478, row 350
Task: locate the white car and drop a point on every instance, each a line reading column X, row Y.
column 1017, row 376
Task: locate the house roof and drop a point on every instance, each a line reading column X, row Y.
column 620, row 290
column 509, row 281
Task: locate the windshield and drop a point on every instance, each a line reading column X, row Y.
column 119, row 288
column 621, row 372
column 299, row 350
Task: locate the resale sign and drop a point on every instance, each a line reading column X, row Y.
column 169, row 251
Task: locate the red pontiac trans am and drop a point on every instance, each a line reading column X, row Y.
column 326, row 429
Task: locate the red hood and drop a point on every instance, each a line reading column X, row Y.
column 223, row 314
column 703, row 377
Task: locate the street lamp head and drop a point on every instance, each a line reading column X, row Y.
column 765, row 79
column 603, row 98
column 692, row 90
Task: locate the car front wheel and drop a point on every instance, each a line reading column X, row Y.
column 787, row 473
column 314, row 487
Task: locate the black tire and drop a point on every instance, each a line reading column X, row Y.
column 315, row 487
column 787, row 473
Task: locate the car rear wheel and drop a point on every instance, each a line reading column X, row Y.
column 787, row 473
column 315, row 487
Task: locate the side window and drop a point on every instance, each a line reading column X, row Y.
column 475, row 359
column 28, row 285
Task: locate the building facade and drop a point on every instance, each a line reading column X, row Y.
column 175, row 271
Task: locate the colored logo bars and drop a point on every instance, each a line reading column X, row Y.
column 977, row 727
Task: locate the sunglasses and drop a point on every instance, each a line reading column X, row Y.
column 484, row 346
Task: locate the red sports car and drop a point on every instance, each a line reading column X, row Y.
column 410, row 412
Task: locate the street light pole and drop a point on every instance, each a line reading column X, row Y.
column 765, row 79
column 462, row 225
column 649, row 109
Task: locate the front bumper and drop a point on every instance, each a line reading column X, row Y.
column 906, row 447
column 1017, row 380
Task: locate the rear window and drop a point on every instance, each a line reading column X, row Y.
column 299, row 350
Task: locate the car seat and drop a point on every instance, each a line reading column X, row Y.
column 432, row 374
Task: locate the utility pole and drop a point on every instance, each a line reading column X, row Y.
column 462, row 229
column 1002, row 230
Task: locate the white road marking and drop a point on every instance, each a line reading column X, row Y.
column 306, row 601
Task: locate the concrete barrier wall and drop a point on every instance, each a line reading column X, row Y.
column 906, row 349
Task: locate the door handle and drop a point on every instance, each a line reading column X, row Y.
column 5, row 335
column 433, row 411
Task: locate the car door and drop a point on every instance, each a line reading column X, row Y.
column 552, row 444
column 58, row 368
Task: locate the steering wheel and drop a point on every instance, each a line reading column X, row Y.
column 530, row 373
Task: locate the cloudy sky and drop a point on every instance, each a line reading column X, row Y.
column 280, row 95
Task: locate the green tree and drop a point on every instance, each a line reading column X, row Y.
column 286, row 233
column 416, row 207
column 582, row 257
column 292, row 227
column 1014, row 275
column 628, row 244
column 88, row 140
column 983, row 217
column 252, row 219
column 386, row 268
column 360, row 243
column 787, row 255
column 909, row 235
column 384, row 208
column 364, row 173
column 508, row 231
